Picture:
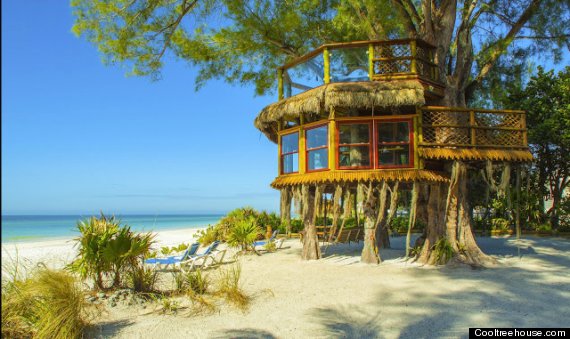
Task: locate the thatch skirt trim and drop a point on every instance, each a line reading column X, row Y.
column 329, row 177
column 320, row 100
column 475, row 154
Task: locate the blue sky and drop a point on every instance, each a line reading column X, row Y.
column 80, row 137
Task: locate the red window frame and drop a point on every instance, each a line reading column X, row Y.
column 307, row 149
column 410, row 144
column 282, row 155
column 369, row 144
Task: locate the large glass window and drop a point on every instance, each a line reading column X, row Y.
column 317, row 148
column 393, row 144
column 354, row 145
column 290, row 153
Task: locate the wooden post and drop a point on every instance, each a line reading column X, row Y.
column 327, row 66
column 280, row 83
column 416, row 153
column 420, row 136
column 472, row 128
column 370, row 61
column 332, row 144
column 279, row 155
column 413, row 66
column 302, row 153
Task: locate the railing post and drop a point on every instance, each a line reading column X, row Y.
column 472, row 128
column 523, row 126
column 327, row 66
column 280, row 83
column 413, row 50
column 370, row 61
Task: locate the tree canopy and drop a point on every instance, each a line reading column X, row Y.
column 546, row 98
column 243, row 41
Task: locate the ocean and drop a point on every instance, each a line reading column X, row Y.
column 17, row 228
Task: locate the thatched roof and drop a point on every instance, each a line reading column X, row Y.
column 345, row 176
column 475, row 154
column 320, row 100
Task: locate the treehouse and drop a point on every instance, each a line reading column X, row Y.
column 366, row 113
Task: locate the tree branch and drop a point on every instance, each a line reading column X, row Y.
column 502, row 45
column 408, row 21
column 185, row 9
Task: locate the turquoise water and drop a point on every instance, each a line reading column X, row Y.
column 45, row 227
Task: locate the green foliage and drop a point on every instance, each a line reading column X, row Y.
column 443, row 251
column 242, row 42
column 546, row 98
column 208, row 235
column 296, row 226
column 244, row 234
column 500, row 224
column 47, row 304
column 107, row 248
column 192, row 283
column 142, row 279
column 170, row 306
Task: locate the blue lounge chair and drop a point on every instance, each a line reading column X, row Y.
column 261, row 243
column 209, row 253
column 174, row 260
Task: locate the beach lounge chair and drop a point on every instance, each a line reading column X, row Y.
column 278, row 243
column 211, row 252
column 175, row 260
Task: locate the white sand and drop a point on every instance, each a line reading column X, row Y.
column 340, row 297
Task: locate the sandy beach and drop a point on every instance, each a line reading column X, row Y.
column 340, row 297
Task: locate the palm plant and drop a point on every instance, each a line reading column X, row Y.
column 243, row 234
column 106, row 248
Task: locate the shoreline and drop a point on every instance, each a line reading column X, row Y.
column 58, row 252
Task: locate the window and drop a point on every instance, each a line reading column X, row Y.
column 317, row 148
column 393, row 144
column 290, row 153
column 354, row 145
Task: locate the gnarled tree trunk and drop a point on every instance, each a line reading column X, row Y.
column 311, row 249
column 451, row 222
column 370, row 250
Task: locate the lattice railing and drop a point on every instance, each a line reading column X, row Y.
column 460, row 127
column 359, row 61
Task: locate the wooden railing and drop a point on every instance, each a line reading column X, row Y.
column 358, row 61
column 473, row 128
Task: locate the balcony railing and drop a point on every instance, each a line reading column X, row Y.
column 358, row 61
column 474, row 128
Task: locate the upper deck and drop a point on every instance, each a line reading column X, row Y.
column 360, row 61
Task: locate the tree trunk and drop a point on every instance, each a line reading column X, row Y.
column 286, row 208
column 412, row 220
column 370, row 250
column 381, row 219
column 311, row 249
column 452, row 222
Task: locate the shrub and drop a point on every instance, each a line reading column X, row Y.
column 207, row 236
column 106, row 249
column 142, row 279
column 244, row 234
column 48, row 304
column 499, row 224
